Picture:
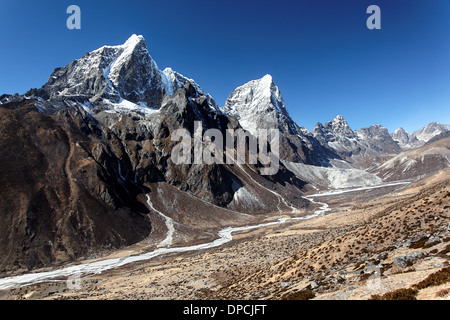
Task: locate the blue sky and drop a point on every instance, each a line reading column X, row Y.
column 320, row 53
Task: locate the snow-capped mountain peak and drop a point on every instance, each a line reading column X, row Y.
column 400, row 131
column 125, row 53
column 259, row 104
column 339, row 118
column 334, row 130
column 431, row 130
column 130, row 43
column 113, row 73
column 120, row 77
column 340, row 124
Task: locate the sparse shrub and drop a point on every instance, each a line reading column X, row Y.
column 440, row 277
column 399, row 294
column 418, row 244
column 443, row 293
column 431, row 244
column 305, row 294
column 445, row 250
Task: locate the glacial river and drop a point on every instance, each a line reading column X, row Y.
column 224, row 236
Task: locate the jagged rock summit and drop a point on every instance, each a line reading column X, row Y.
column 359, row 147
column 405, row 139
column 431, row 130
column 114, row 73
column 333, row 131
column 259, row 104
column 122, row 78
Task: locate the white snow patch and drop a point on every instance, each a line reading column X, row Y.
column 167, row 242
column 124, row 105
column 127, row 50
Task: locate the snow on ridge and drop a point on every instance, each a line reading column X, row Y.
column 117, row 56
column 431, row 130
column 173, row 80
column 257, row 103
column 124, row 105
column 127, row 50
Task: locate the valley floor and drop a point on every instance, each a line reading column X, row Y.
column 371, row 244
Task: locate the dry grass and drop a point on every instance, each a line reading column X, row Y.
column 435, row 279
column 305, row 294
column 399, row 294
column 443, row 293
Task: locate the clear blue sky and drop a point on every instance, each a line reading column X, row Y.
column 320, row 53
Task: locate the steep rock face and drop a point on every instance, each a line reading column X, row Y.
column 377, row 140
column 258, row 104
column 112, row 72
column 61, row 198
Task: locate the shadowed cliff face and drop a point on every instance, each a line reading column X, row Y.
column 58, row 200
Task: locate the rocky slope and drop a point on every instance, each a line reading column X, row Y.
column 391, row 246
column 112, row 72
column 358, row 252
column 61, row 197
column 416, row 163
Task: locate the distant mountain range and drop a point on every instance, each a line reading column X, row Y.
column 407, row 140
column 79, row 153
